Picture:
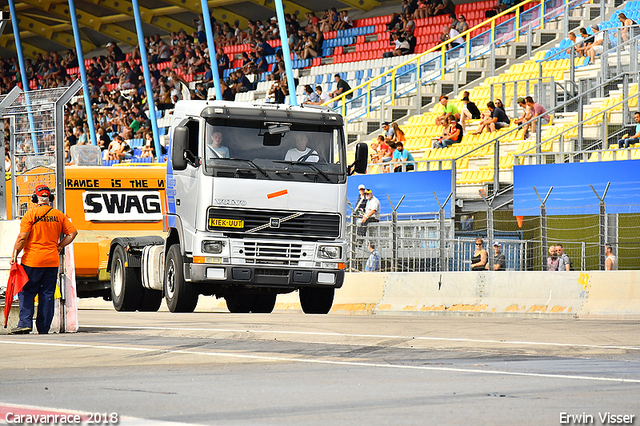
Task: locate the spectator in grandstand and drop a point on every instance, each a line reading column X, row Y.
column 324, row 97
column 499, row 261
column 496, row 121
column 448, row 109
column 227, row 93
column 200, row 93
column 361, row 203
column 373, row 262
column 626, row 23
column 408, row 26
column 311, row 97
column 310, row 48
column 564, row 263
column 401, row 155
column 398, row 134
column 312, row 20
column 147, row 151
column 498, row 103
column 577, row 43
column 279, row 90
column 119, row 149
column 242, row 83
column 103, row 139
column 344, row 22
column 480, row 257
column 82, row 136
column 462, row 24
column 395, row 23
column 385, row 150
column 537, row 110
column 421, row 9
column 626, row 141
column 611, row 260
column 469, row 111
column 372, row 210
column 586, row 43
column 597, row 46
column 388, row 131
column 329, row 20
column 449, row 33
column 341, row 87
column 115, row 53
column 552, row 260
column 527, row 113
column 443, row 7
column 452, row 134
column 401, row 46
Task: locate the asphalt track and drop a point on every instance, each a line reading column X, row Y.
column 295, row 369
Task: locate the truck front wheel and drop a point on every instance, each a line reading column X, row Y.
column 179, row 295
column 126, row 287
column 316, row 300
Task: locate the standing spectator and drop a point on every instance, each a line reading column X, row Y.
column 626, row 141
column 480, row 257
column 564, row 263
column 448, row 109
column 536, row 110
column 552, row 260
column 373, row 262
column 341, row 87
column 361, row 203
column 611, row 262
column 40, row 230
column 372, row 210
column 401, row 155
column 499, row 261
column 597, row 46
column 496, row 121
column 626, row 23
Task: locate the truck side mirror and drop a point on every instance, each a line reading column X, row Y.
column 362, row 153
column 180, row 144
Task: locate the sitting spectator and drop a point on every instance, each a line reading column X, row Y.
column 242, row 83
column 421, row 10
column 626, row 23
column 148, row 149
column 344, row 22
column 452, row 134
column 576, row 42
column 329, row 20
column 537, row 110
column 200, row 93
column 311, row 97
column 119, row 149
column 115, row 53
column 310, row 48
column 462, row 24
column 227, row 93
column 496, row 121
column 401, row 155
column 341, row 87
column 324, row 97
column 626, row 141
column 394, row 24
column 408, row 26
column 444, row 7
column 597, row 46
column 527, row 113
column 448, row 109
column 279, row 90
column 398, row 134
column 498, row 103
column 402, row 46
column 469, row 112
column 587, row 42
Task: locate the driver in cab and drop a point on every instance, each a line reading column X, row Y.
column 215, row 149
column 301, row 152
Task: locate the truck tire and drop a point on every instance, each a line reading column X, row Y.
column 179, row 295
column 239, row 303
column 126, row 285
column 151, row 300
column 316, row 300
column 264, row 303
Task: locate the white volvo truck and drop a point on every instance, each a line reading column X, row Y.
column 256, row 206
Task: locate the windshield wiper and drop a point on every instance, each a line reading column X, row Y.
column 313, row 166
column 260, row 169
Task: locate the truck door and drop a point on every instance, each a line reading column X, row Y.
column 187, row 183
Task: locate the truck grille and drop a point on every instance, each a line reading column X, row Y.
column 306, row 225
column 270, row 253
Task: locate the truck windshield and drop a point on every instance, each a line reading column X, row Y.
column 302, row 153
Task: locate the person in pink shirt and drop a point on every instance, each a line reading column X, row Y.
column 538, row 111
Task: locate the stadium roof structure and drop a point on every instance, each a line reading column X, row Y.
column 45, row 25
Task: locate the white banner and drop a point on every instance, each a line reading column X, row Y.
column 119, row 206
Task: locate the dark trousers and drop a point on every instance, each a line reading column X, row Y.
column 42, row 282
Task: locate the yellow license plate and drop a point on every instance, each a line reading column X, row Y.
column 226, row 223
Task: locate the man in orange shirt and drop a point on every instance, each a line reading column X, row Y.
column 39, row 236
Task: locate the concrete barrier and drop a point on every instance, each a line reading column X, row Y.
column 484, row 293
column 612, row 294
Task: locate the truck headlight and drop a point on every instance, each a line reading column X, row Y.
column 214, row 247
column 329, row 252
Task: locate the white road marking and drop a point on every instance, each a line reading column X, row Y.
column 378, row 336
column 318, row 361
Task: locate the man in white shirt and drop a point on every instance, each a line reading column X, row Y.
column 597, row 46
column 577, row 41
column 301, row 152
column 324, row 97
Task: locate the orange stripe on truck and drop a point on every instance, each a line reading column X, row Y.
column 277, row 194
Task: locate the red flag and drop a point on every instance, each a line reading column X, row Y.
column 17, row 279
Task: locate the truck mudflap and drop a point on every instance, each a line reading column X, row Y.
column 136, row 243
column 268, row 277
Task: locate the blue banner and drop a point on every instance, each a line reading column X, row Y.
column 572, row 193
column 417, row 187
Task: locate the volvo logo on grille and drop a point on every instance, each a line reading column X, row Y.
column 274, row 222
column 230, row 202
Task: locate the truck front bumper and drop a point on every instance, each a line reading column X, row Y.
column 263, row 276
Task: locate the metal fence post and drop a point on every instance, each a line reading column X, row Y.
column 394, row 233
column 625, row 105
column 442, row 232
column 583, row 257
column 529, row 41
column 543, row 224
column 602, row 224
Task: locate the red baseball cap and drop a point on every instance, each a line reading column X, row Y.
column 43, row 191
